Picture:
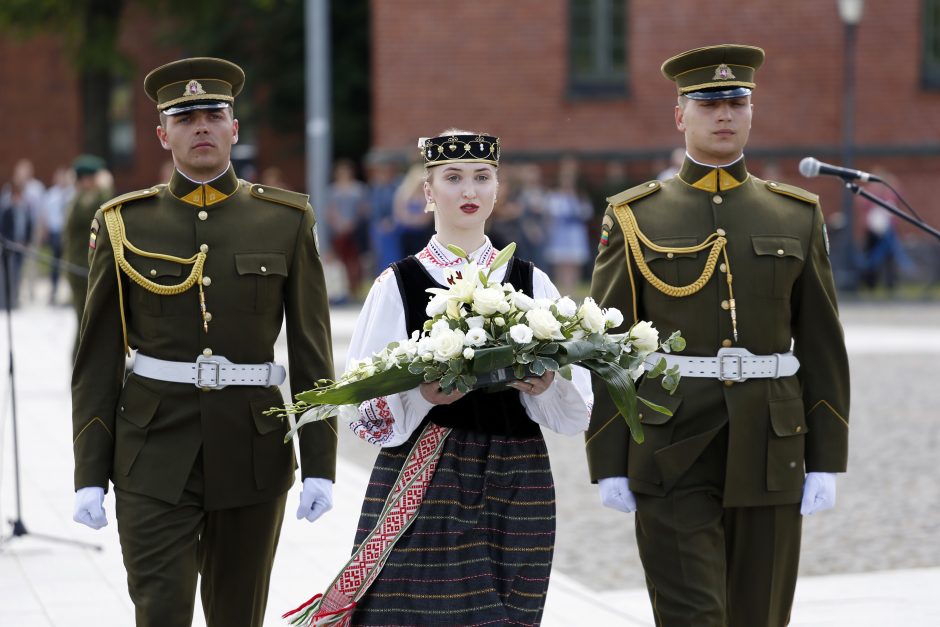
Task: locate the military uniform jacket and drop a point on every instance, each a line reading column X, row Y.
column 783, row 290
column 262, row 266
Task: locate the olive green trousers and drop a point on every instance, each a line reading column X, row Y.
column 166, row 547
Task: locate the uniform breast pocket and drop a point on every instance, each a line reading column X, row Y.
column 157, row 271
column 675, row 268
column 261, row 277
column 779, row 261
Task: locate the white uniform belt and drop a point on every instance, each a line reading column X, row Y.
column 730, row 364
column 214, row 372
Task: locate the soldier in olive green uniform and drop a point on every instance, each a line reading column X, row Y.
column 741, row 267
column 88, row 197
column 197, row 277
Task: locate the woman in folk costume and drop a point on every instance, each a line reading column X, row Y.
column 478, row 549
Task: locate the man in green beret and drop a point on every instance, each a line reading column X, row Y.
column 195, row 278
column 759, row 422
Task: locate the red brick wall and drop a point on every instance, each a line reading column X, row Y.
column 502, row 67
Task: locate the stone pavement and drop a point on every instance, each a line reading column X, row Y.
column 48, row 583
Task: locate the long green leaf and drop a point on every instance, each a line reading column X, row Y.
column 622, row 392
column 387, row 382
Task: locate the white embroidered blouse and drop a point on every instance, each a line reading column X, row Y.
column 565, row 407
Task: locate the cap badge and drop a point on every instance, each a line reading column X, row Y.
column 723, row 73
column 193, row 88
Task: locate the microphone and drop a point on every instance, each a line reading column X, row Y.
column 810, row 167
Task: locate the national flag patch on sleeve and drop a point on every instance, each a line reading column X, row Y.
column 605, row 230
column 93, row 236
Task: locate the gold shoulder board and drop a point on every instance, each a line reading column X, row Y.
column 634, row 193
column 129, row 196
column 280, row 196
column 793, row 191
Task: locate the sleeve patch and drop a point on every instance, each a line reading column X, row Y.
column 606, row 225
column 93, row 236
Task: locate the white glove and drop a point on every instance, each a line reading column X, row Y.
column 819, row 492
column 616, row 494
column 89, row 507
column 316, row 498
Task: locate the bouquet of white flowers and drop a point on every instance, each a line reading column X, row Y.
column 481, row 333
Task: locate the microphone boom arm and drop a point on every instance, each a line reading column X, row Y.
column 860, row 191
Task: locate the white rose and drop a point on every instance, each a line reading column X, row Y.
column 436, row 306
column 425, row 346
column 475, row 322
column 543, row 303
column 499, row 321
column 439, row 327
column 486, row 300
column 474, row 337
column 613, row 317
column 447, row 345
column 645, row 336
column 544, row 325
column 566, row 307
column 520, row 333
column 468, row 353
column 637, row 372
column 592, row 318
column 522, row 302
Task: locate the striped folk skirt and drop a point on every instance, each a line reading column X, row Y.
column 480, row 549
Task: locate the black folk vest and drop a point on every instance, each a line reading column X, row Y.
column 496, row 413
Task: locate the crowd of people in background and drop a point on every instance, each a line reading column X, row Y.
column 548, row 209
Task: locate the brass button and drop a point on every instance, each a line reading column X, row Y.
column 203, row 215
column 153, row 272
column 772, row 184
column 207, row 317
column 779, row 251
column 207, row 352
column 652, row 185
column 798, row 428
column 206, row 281
column 723, row 267
column 264, row 269
column 725, row 304
column 260, row 190
column 721, row 232
column 670, row 255
column 726, row 343
column 717, row 199
column 122, row 407
column 792, row 464
column 204, row 248
column 728, row 384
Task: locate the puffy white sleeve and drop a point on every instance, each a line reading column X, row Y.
column 386, row 420
column 565, row 407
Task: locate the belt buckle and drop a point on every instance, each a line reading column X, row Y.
column 736, row 358
column 208, row 373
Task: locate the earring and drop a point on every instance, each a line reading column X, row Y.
column 430, row 207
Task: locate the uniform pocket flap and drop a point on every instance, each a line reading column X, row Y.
column 652, row 390
column 138, row 405
column 671, row 242
column 261, row 264
column 265, row 424
column 777, row 245
column 156, row 268
column 787, row 417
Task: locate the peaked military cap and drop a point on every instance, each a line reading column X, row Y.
column 715, row 72
column 195, row 83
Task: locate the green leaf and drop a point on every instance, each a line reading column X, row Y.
column 538, row 367
column 549, row 349
column 416, row 367
column 549, row 363
column 565, row 372
column 492, row 358
column 654, row 406
column 620, row 386
column 658, row 369
column 381, row 384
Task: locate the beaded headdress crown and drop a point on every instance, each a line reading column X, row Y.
column 462, row 148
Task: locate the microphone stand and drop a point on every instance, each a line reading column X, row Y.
column 860, row 191
column 19, row 528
